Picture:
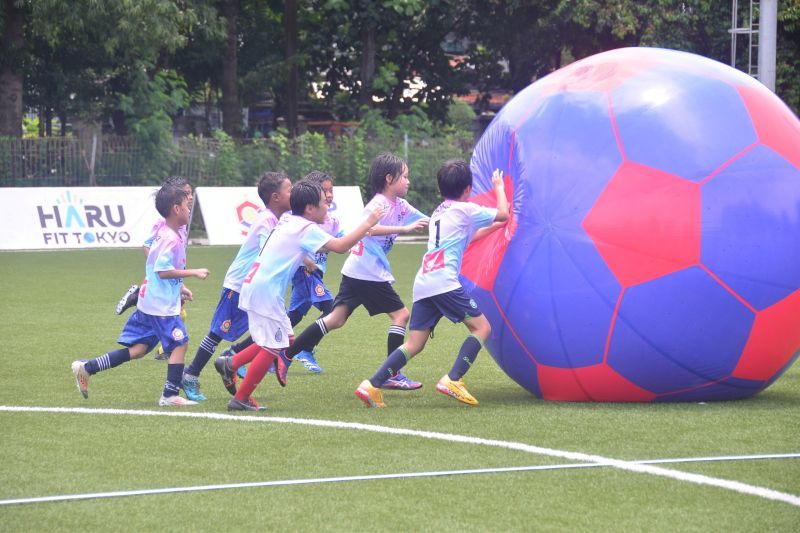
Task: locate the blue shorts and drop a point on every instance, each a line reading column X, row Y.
column 142, row 328
column 308, row 289
column 229, row 322
column 455, row 305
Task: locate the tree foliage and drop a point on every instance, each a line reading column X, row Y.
column 132, row 65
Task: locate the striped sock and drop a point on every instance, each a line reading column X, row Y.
column 174, row 375
column 204, row 352
column 395, row 338
column 108, row 360
column 308, row 339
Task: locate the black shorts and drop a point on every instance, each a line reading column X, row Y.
column 455, row 305
column 377, row 297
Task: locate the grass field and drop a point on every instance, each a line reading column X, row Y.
column 58, row 306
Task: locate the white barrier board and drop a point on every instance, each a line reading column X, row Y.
column 75, row 217
column 229, row 211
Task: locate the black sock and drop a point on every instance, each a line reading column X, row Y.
column 308, row 339
column 242, row 345
column 204, row 353
column 394, row 340
column 466, row 356
column 174, row 375
column 391, row 366
column 108, row 360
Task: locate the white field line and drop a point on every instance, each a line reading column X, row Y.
column 630, row 466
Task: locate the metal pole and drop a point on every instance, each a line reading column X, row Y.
column 767, row 42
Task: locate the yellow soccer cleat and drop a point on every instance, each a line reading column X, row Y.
column 456, row 389
column 371, row 396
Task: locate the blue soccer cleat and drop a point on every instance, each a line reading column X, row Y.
column 191, row 386
column 309, row 361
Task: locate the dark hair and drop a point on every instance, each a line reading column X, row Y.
column 382, row 165
column 453, row 178
column 177, row 181
column 304, row 193
column 269, row 183
column 169, row 195
column 318, row 177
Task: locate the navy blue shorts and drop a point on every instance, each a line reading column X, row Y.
column 455, row 305
column 142, row 328
column 376, row 296
column 307, row 290
column 229, row 322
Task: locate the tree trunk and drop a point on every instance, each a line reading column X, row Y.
column 290, row 26
column 11, row 43
column 231, row 112
column 367, row 65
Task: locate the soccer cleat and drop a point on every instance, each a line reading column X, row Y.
column 456, row 389
column 281, row 367
column 81, row 377
column 174, row 401
column 371, row 396
column 191, row 386
column 309, row 361
column 129, row 299
column 249, row 405
column 161, row 355
column 223, row 366
column 401, row 382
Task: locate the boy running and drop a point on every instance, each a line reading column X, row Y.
column 307, row 286
column 230, row 322
column 296, row 236
column 437, row 290
column 157, row 317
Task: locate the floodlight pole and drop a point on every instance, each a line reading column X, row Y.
column 767, row 42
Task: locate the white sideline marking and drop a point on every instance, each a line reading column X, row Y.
column 403, row 475
column 595, row 460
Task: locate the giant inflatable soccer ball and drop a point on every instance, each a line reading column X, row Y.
column 654, row 248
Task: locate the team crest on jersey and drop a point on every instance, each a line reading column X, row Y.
column 226, row 326
column 319, row 289
column 433, row 261
column 473, row 304
column 358, row 249
column 278, row 335
column 177, row 334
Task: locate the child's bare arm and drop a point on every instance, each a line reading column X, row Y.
column 342, row 244
column 400, row 230
column 201, row 273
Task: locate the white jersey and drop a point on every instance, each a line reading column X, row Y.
column 148, row 242
column 368, row 259
column 452, row 226
column 264, row 288
column 260, row 229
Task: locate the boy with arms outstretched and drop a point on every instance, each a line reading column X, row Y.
column 437, row 290
column 230, row 322
column 296, row 236
column 307, row 286
column 157, row 317
column 366, row 275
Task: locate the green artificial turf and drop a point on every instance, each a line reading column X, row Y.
column 58, row 306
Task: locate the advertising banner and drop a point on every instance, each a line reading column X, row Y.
column 75, row 217
column 229, row 211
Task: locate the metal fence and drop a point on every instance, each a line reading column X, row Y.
column 105, row 160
